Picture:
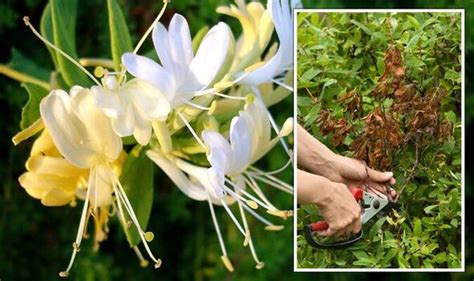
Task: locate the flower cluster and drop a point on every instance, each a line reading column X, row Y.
column 218, row 94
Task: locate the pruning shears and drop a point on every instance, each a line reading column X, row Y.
column 371, row 205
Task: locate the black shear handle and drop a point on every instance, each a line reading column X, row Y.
column 310, row 238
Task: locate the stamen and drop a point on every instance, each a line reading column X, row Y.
column 281, row 84
column 256, row 215
column 279, row 185
column 227, row 263
column 197, row 106
column 90, row 62
column 80, row 230
column 118, row 190
column 224, row 257
column 191, row 130
column 251, row 203
column 251, row 182
column 27, row 23
column 230, row 97
column 275, row 171
column 234, row 219
column 248, row 238
column 160, row 14
column 274, row 227
column 143, row 262
column 281, row 213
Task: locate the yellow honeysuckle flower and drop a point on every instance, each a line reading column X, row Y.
column 50, row 177
column 257, row 29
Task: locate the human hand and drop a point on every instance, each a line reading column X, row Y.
column 341, row 212
column 354, row 172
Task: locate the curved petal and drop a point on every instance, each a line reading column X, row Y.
column 216, row 178
column 57, row 197
column 212, row 54
column 218, row 150
column 65, row 129
column 108, row 101
column 148, row 99
column 142, row 129
column 174, row 48
column 124, row 124
column 148, row 70
column 257, row 114
column 99, row 135
column 37, row 185
column 240, row 143
column 53, row 166
column 265, row 73
column 191, row 190
column 101, row 186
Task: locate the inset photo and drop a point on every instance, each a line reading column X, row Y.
column 379, row 181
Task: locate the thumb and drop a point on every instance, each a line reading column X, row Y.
column 379, row 176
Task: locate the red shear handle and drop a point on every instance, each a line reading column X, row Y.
column 357, row 193
column 322, row 225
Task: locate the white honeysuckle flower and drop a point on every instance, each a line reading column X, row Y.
column 281, row 13
column 250, row 139
column 85, row 137
column 257, row 29
column 183, row 74
column 226, row 181
column 131, row 107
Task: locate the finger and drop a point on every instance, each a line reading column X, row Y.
column 379, row 176
column 357, row 226
column 393, row 181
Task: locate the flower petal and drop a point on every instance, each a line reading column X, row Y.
column 66, row 130
column 148, row 70
column 99, row 135
column 219, row 149
column 191, row 190
column 108, row 101
column 142, row 129
column 240, row 144
column 212, row 54
column 124, row 124
column 148, row 99
column 57, row 197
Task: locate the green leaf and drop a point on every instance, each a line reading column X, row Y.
column 46, row 28
column 310, row 74
column 414, row 40
column 428, row 210
column 453, row 76
column 63, row 22
column 417, row 229
column 31, row 112
column 120, row 41
column 363, row 27
column 21, row 63
column 137, row 181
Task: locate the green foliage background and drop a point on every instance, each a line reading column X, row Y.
column 35, row 240
column 344, row 53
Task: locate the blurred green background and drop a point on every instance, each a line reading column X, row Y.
column 35, row 241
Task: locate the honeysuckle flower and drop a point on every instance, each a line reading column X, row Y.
column 225, row 182
column 86, row 139
column 250, row 139
column 182, row 74
column 257, row 29
column 49, row 176
column 281, row 13
column 131, row 107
